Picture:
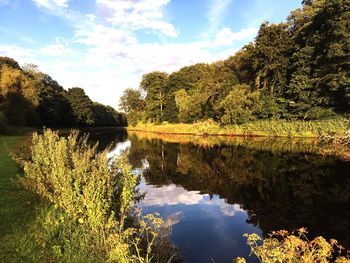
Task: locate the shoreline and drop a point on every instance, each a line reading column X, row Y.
column 262, row 128
column 242, row 135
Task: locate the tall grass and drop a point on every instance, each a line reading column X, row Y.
column 282, row 128
column 91, row 199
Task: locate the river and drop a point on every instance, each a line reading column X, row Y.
column 213, row 190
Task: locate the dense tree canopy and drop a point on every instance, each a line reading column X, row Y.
column 32, row 98
column 298, row 69
column 155, row 85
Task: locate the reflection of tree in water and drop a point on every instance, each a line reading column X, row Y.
column 279, row 189
column 107, row 138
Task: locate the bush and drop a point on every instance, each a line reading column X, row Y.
column 92, row 199
column 282, row 246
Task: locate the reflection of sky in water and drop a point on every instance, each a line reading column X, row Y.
column 119, row 149
column 203, row 227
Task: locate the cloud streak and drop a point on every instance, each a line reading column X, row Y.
column 216, row 13
column 51, row 4
column 135, row 15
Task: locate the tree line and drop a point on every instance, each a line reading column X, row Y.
column 29, row 97
column 297, row 69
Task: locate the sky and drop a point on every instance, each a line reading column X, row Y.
column 105, row 46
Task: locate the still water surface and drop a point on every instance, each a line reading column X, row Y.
column 213, row 190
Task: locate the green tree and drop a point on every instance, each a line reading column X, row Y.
column 107, row 116
column 131, row 101
column 154, row 84
column 239, row 105
column 82, row 106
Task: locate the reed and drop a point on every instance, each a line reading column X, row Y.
column 267, row 128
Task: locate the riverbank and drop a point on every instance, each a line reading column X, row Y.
column 20, row 131
column 264, row 128
column 17, row 206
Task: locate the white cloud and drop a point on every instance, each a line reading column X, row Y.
column 51, row 4
column 137, row 14
column 22, row 55
column 226, row 37
column 93, row 34
column 57, row 50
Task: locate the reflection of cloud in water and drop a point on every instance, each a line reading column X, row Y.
column 119, row 149
column 226, row 209
column 169, row 195
column 175, row 195
column 173, row 219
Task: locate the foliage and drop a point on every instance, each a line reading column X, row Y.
column 300, row 69
column 239, row 105
column 133, row 104
column 107, row 116
column 29, row 97
column 282, row 246
column 91, row 199
column 154, row 84
column 131, row 101
column 82, row 106
column 281, row 128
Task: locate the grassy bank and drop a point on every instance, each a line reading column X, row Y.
column 268, row 128
column 87, row 213
column 17, row 207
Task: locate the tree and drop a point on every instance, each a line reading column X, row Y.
column 154, row 84
column 239, row 105
column 189, row 107
column 107, row 116
column 54, row 108
column 82, row 106
column 18, row 97
column 131, row 101
column 9, row 62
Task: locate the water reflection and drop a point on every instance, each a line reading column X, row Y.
column 212, row 190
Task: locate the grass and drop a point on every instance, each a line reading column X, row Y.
column 266, row 128
column 17, row 206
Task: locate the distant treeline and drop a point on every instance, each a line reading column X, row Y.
column 298, row 69
column 29, row 97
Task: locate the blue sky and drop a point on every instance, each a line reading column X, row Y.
column 104, row 46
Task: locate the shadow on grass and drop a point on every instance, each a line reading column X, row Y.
column 18, row 206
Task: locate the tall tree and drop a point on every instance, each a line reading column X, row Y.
column 82, row 106
column 154, row 84
column 131, row 101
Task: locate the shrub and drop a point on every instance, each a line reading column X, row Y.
column 282, row 246
column 92, row 199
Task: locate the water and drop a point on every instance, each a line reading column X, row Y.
column 213, row 190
